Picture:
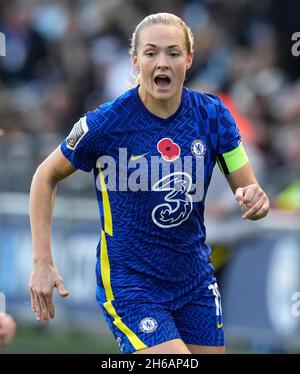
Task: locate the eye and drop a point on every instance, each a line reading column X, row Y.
column 174, row 54
column 150, row 53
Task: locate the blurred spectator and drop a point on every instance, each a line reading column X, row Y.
column 65, row 58
column 26, row 49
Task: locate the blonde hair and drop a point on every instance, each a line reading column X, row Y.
column 164, row 19
column 160, row 19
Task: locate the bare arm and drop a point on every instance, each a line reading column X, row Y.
column 248, row 193
column 45, row 275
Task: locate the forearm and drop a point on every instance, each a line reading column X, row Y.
column 42, row 199
column 241, row 178
column 45, row 276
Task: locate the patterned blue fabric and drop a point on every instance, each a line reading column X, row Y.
column 193, row 319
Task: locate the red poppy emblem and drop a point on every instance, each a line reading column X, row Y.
column 169, row 150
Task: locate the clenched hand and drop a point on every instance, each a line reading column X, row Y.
column 253, row 201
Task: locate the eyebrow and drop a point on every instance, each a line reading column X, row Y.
column 155, row 46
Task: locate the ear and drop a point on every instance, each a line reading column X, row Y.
column 135, row 62
column 189, row 60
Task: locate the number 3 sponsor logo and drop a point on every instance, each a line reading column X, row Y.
column 178, row 203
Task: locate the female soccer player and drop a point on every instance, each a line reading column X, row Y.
column 152, row 151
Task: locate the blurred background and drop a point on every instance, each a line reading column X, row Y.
column 64, row 58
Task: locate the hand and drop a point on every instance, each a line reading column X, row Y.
column 7, row 329
column 253, row 201
column 44, row 278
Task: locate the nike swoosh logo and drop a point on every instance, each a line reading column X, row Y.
column 134, row 158
column 219, row 325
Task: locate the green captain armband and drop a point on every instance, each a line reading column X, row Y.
column 233, row 160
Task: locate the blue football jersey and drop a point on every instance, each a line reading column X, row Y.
column 151, row 177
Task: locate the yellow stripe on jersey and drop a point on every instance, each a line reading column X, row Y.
column 233, row 160
column 105, row 272
column 105, row 268
column 108, row 228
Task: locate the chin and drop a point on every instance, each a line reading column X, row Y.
column 163, row 95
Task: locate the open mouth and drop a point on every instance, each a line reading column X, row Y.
column 162, row 81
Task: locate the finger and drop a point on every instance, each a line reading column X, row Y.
column 250, row 193
column 239, row 195
column 50, row 306
column 253, row 211
column 32, row 301
column 262, row 212
column 256, row 197
column 37, row 307
column 44, row 309
column 60, row 288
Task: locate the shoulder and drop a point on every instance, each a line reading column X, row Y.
column 203, row 98
column 208, row 101
column 110, row 109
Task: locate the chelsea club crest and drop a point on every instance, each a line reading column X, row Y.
column 198, row 148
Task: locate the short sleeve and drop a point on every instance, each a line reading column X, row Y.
column 231, row 153
column 82, row 146
column 229, row 136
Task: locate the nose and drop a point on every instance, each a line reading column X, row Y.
column 162, row 61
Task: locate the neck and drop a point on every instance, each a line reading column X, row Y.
column 160, row 108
